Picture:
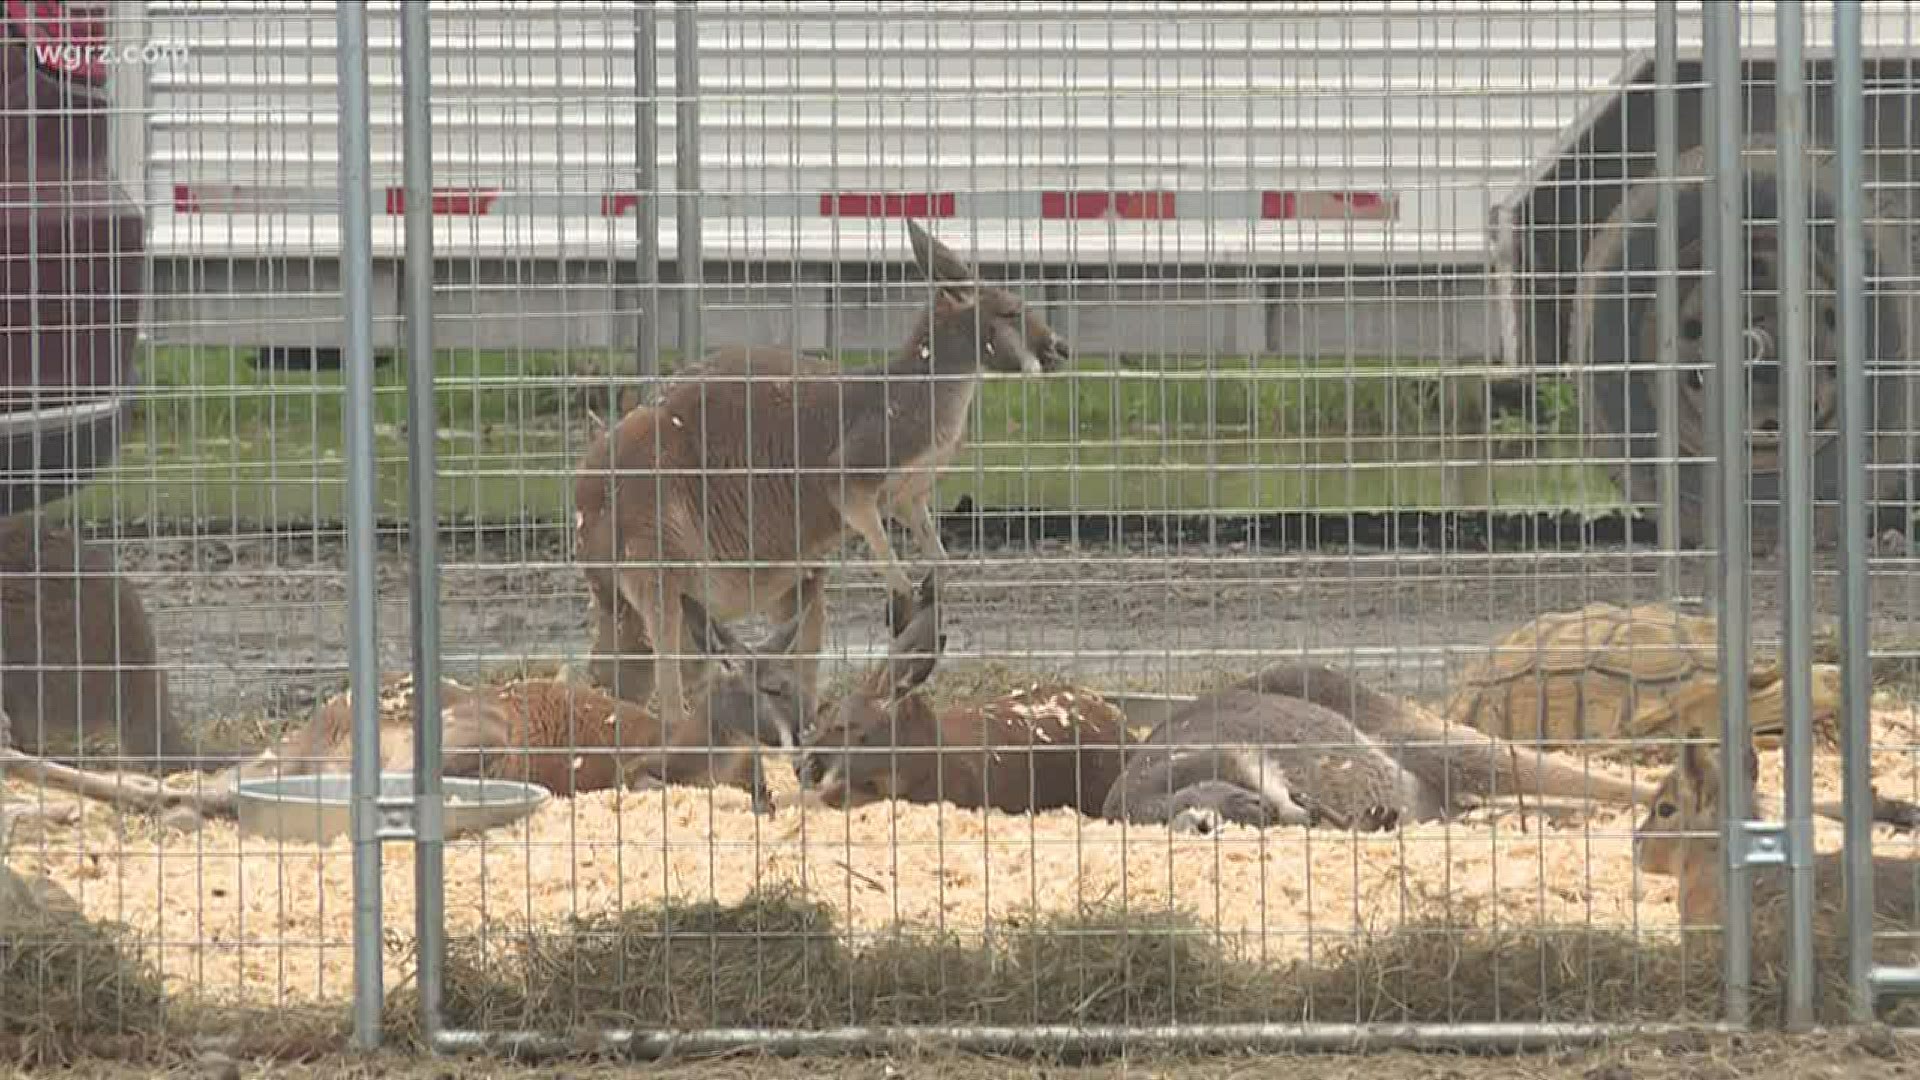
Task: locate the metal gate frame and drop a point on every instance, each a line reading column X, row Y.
column 1749, row 843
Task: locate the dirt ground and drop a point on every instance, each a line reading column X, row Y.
column 1869, row 1055
column 254, row 631
column 256, row 627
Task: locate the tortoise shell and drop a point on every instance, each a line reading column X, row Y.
column 1606, row 672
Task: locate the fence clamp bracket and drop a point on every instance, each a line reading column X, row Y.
column 399, row 817
column 1760, row 843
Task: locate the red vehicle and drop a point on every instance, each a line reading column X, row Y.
column 72, row 242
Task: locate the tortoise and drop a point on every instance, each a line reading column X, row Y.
column 1606, row 672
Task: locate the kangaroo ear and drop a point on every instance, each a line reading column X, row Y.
column 901, row 610
column 1702, row 772
column 922, row 634
column 915, row 653
column 909, row 675
column 782, row 637
column 959, row 296
column 936, row 261
column 707, row 634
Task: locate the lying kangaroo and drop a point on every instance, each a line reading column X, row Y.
column 573, row 739
column 81, row 672
column 568, row 738
column 1371, row 758
column 1680, row 838
column 1318, row 746
column 1297, row 763
column 768, row 460
column 1047, row 746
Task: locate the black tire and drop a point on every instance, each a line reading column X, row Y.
column 71, row 456
column 1615, row 322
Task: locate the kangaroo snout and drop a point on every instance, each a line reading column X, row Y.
column 812, row 770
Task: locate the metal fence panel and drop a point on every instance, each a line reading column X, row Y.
column 1871, row 205
column 1305, row 385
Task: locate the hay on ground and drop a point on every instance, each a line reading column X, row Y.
column 242, row 920
column 774, row 959
column 64, row 979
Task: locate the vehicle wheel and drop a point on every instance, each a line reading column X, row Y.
column 1615, row 322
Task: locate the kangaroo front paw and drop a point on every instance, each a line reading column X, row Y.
column 763, row 802
column 1379, row 819
column 1196, row 821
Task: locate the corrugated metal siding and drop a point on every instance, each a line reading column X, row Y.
column 1443, row 105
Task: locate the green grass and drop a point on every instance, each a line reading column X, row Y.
column 216, row 438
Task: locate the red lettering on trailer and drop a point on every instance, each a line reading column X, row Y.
column 616, row 203
column 1124, row 205
column 448, row 202
column 914, row 204
column 1323, row 205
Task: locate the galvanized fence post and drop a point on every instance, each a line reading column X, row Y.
column 356, row 286
column 424, row 591
column 686, row 172
column 1726, row 265
column 1666, row 140
column 1709, row 243
column 1796, row 496
column 646, row 115
column 1849, row 95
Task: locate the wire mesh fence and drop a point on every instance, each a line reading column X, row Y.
column 1022, row 522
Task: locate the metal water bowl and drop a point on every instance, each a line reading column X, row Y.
column 1146, row 710
column 315, row 809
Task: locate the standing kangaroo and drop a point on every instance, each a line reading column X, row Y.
column 767, row 461
column 82, row 674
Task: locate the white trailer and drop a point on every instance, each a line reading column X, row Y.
column 1227, row 157
column 1410, row 178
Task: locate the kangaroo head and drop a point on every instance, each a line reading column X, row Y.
column 984, row 322
column 759, row 688
column 864, row 721
column 1682, row 827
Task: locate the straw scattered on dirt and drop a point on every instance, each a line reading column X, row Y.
column 238, row 919
column 1845, row 1055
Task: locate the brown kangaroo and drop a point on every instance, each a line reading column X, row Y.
column 1680, row 838
column 82, row 674
column 1048, row 746
column 768, row 460
column 572, row 739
